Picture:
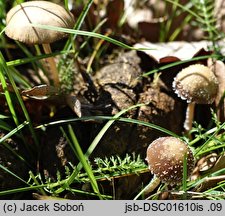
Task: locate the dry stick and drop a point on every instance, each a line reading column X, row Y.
column 52, row 64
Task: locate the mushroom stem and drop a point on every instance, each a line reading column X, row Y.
column 153, row 184
column 53, row 73
column 189, row 117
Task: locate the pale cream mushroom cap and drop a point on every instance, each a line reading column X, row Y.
column 196, row 83
column 18, row 21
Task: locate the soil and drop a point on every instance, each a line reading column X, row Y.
column 119, row 85
column 116, row 86
column 11, row 163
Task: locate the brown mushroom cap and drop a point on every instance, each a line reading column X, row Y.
column 165, row 157
column 196, row 83
column 18, row 21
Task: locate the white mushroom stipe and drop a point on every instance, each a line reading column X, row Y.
column 189, row 116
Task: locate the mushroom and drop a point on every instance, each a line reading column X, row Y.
column 165, row 157
column 196, row 84
column 18, row 27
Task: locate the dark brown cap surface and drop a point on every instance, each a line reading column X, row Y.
column 165, row 158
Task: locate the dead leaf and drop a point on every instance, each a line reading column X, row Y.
column 178, row 49
column 114, row 12
column 210, row 182
column 204, row 164
column 207, row 162
column 137, row 16
column 74, row 104
column 220, row 164
column 219, row 70
column 40, row 92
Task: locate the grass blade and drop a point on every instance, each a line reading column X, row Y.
column 78, row 24
column 11, row 173
column 22, row 61
column 93, row 146
column 12, row 132
column 89, row 34
column 19, row 100
column 128, row 120
column 83, row 160
column 3, row 71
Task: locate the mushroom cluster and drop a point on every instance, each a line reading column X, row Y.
column 165, row 157
column 20, row 18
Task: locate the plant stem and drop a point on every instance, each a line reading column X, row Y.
column 149, row 188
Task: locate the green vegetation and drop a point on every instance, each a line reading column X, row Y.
column 25, row 122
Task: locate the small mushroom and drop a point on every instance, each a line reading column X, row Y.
column 196, row 84
column 20, row 18
column 165, row 157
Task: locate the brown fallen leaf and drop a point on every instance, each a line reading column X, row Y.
column 114, row 11
column 40, row 92
column 219, row 69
